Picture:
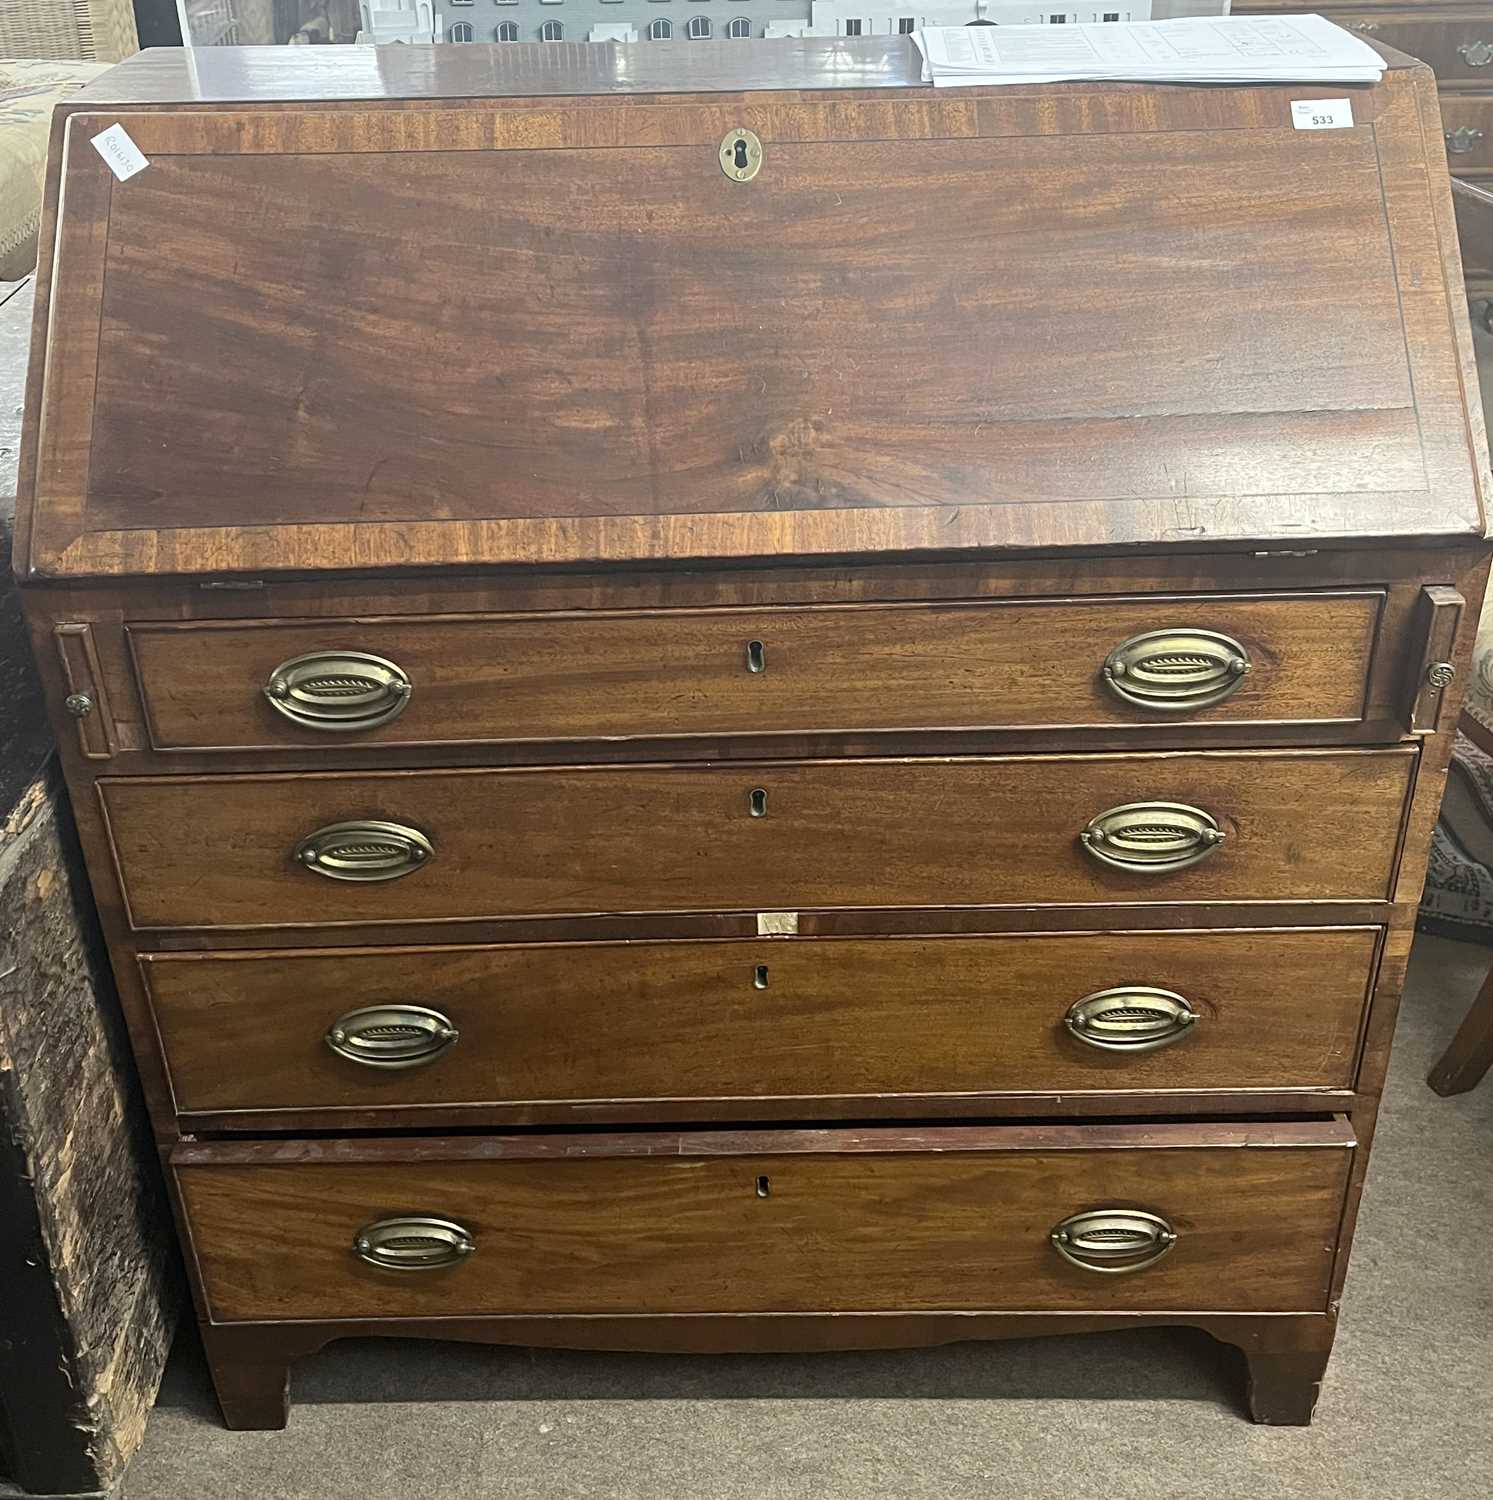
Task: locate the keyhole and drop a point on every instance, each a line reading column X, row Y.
column 741, row 156
column 759, row 978
column 757, row 803
column 756, row 656
column 764, row 1188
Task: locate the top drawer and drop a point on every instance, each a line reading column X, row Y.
column 659, row 674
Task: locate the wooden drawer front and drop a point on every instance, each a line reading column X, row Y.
column 793, row 1221
column 222, row 851
column 1468, row 127
column 746, row 672
column 1459, row 48
column 806, row 1018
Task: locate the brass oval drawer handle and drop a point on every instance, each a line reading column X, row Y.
column 1130, row 1018
column 1462, row 140
column 1476, row 54
column 1176, row 670
column 392, row 1036
column 1113, row 1241
column 1152, row 837
column 341, row 691
column 414, row 1243
column 364, row 850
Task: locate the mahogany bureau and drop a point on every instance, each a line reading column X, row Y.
column 680, row 749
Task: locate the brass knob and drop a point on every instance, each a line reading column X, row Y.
column 1113, row 1241
column 1440, row 674
column 1476, row 54
column 79, row 705
column 1462, row 140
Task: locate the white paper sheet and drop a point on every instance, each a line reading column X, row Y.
column 1194, row 49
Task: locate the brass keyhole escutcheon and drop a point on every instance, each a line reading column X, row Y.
column 741, row 155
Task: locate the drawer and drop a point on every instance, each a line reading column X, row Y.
column 803, row 1018
column 777, row 1221
column 334, row 684
column 1468, row 127
column 1458, row 48
column 318, row 850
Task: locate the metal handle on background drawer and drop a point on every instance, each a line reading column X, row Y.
column 1152, row 837
column 1476, row 54
column 1176, row 670
column 342, row 691
column 415, row 1243
column 1130, row 1018
column 1113, row 1240
column 364, row 850
column 1462, row 140
column 392, row 1036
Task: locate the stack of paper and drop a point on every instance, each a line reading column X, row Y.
column 1195, row 49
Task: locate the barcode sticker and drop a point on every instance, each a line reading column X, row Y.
column 120, row 152
column 777, row 923
column 1322, row 114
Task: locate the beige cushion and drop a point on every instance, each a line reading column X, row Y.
column 28, row 90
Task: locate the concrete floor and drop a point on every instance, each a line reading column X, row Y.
column 1407, row 1411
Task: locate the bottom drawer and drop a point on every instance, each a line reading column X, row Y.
column 1199, row 1217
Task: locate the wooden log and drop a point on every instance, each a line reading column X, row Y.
column 90, row 1279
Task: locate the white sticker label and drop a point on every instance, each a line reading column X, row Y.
column 777, row 923
column 1322, row 114
column 122, row 154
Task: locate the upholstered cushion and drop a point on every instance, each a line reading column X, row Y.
column 1459, row 882
column 1458, row 901
column 1479, row 701
column 28, row 90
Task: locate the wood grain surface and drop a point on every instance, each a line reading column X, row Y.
column 686, row 370
column 771, row 1020
column 673, row 343
column 764, row 1232
column 754, row 672
column 642, row 603
column 219, row 851
column 1220, row 357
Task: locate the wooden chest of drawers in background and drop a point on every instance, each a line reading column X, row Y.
column 1456, row 41
column 670, row 762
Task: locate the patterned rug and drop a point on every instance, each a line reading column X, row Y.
column 1459, row 882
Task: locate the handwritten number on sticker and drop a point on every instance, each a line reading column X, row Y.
column 122, row 156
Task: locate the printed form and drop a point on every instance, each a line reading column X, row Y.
column 1195, row 49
